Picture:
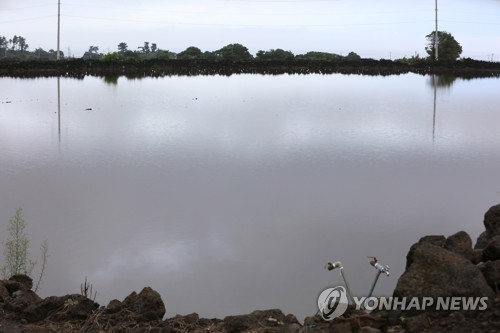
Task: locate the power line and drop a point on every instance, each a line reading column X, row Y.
column 242, row 25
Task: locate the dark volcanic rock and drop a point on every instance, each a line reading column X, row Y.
column 25, row 282
column 4, row 293
column 436, row 272
column 492, row 250
column 482, row 240
column 491, row 271
column 269, row 319
column 114, row 306
column 21, row 299
column 416, row 323
column 492, row 221
column 460, row 243
column 41, row 310
column 433, row 239
column 60, row 308
column 148, row 304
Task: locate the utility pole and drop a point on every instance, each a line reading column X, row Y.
column 58, row 54
column 436, row 38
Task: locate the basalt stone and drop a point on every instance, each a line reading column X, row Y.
column 239, row 323
column 437, row 272
column 477, row 256
column 460, row 243
column 4, row 293
column 40, row 310
column 416, row 324
column 291, row 328
column 60, row 308
column 273, row 320
column 368, row 329
column 148, row 304
column 438, row 240
column 482, row 240
column 271, row 316
column 12, row 286
column 114, row 306
column 492, row 221
column 21, row 299
column 82, row 309
column 291, row 319
column 492, row 250
column 25, row 282
column 491, row 271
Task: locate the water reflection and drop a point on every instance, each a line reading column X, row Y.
column 240, row 188
column 111, row 79
column 59, row 109
column 442, row 80
column 435, row 85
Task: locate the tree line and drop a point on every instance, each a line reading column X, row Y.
column 17, row 48
column 234, row 51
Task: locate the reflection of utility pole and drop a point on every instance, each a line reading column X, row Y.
column 434, row 76
column 58, row 55
column 59, row 109
column 436, row 42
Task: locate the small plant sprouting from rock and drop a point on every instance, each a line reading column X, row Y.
column 69, row 302
column 86, row 290
column 16, row 251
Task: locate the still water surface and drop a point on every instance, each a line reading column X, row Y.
column 228, row 194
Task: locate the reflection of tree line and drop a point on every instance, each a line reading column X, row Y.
column 79, row 68
column 442, row 81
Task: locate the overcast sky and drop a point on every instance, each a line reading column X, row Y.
column 371, row 28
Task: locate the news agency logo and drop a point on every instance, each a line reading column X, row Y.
column 333, row 303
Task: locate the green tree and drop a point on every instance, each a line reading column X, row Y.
column 112, row 57
column 16, row 252
column 191, row 52
column 3, row 42
column 448, row 48
column 92, row 53
column 315, row 55
column 145, row 48
column 234, row 52
column 352, row 56
column 164, row 54
column 277, row 54
column 13, row 42
column 3, row 45
column 21, row 41
column 122, row 47
column 209, row 55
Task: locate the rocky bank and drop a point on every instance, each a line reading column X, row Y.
column 436, row 266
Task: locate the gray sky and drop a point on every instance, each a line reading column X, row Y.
column 376, row 29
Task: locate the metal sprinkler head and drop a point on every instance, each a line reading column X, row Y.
column 331, row 266
column 373, row 260
column 379, row 267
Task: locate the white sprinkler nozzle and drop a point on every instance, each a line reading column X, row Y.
column 330, row 266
